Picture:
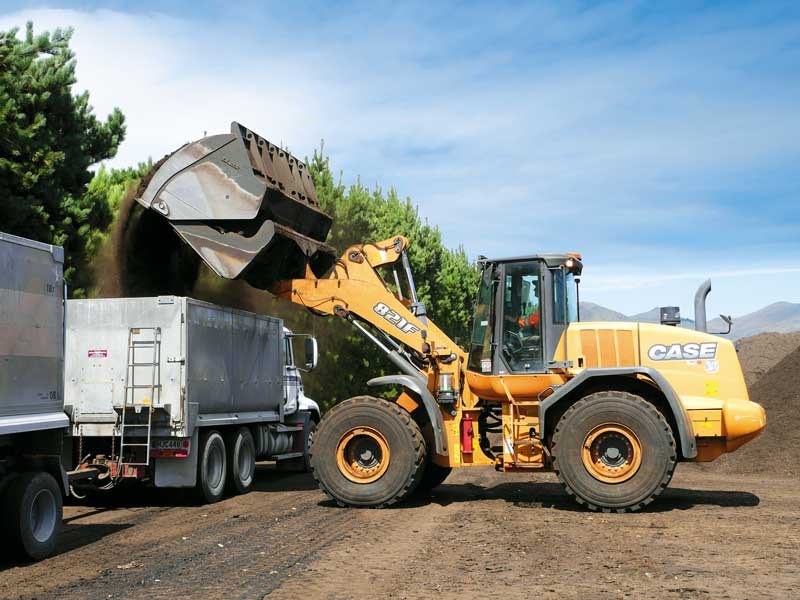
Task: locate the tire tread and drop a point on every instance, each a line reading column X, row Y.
column 418, row 442
column 628, row 397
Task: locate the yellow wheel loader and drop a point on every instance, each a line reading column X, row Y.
column 609, row 407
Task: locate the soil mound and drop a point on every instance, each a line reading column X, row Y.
column 759, row 353
column 777, row 449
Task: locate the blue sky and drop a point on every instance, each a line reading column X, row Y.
column 659, row 139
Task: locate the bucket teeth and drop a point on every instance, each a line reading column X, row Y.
column 247, row 207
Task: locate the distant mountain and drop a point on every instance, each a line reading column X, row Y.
column 780, row 317
column 594, row 312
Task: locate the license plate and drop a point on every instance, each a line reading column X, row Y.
column 170, row 444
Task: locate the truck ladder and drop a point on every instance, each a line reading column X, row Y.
column 139, row 430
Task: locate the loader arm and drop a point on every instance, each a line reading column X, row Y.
column 355, row 288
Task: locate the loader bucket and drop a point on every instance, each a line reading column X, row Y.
column 248, row 208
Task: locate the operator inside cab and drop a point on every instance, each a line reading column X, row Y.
column 522, row 332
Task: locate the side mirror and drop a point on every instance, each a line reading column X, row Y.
column 729, row 322
column 312, row 353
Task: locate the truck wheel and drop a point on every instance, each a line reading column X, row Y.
column 433, row 476
column 613, row 451
column 211, row 467
column 242, row 460
column 310, row 433
column 33, row 514
column 368, row 452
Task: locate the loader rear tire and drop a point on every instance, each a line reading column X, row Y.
column 613, row 451
column 368, row 452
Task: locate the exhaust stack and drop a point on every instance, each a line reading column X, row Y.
column 248, row 208
column 700, row 322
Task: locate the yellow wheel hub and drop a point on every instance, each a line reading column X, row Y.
column 362, row 454
column 612, row 453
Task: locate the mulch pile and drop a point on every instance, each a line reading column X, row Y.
column 777, row 450
column 759, row 353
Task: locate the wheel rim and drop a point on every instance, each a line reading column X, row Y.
column 43, row 515
column 310, row 440
column 363, row 455
column 612, row 453
column 246, row 462
column 214, row 466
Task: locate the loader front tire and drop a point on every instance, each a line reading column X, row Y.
column 368, row 452
column 613, row 451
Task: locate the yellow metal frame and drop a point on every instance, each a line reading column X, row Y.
column 354, row 287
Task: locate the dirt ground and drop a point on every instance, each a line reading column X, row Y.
column 482, row 534
column 728, row 529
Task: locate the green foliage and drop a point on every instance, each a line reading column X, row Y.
column 48, row 140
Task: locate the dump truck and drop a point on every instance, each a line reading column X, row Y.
column 33, row 482
column 180, row 393
column 610, row 407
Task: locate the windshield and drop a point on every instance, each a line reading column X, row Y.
column 480, row 353
column 565, row 289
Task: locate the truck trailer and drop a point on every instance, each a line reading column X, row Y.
column 181, row 393
column 168, row 390
column 32, row 419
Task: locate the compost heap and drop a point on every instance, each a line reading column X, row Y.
column 759, row 353
column 777, row 449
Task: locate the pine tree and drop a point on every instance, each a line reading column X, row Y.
column 48, row 140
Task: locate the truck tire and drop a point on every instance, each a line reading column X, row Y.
column 32, row 515
column 241, row 460
column 613, row 451
column 368, row 452
column 211, row 467
column 311, row 432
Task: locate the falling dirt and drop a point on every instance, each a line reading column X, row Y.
column 144, row 256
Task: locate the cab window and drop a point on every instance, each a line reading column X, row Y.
column 565, row 297
column 287, row 352
column 522, row 331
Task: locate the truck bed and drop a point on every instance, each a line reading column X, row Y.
column 215, row 365
column 31, row 335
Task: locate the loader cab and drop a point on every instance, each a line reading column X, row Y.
column 524, row 305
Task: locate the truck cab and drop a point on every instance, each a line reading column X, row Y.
column 296, row 400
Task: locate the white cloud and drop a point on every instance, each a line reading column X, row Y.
column 549, row 129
